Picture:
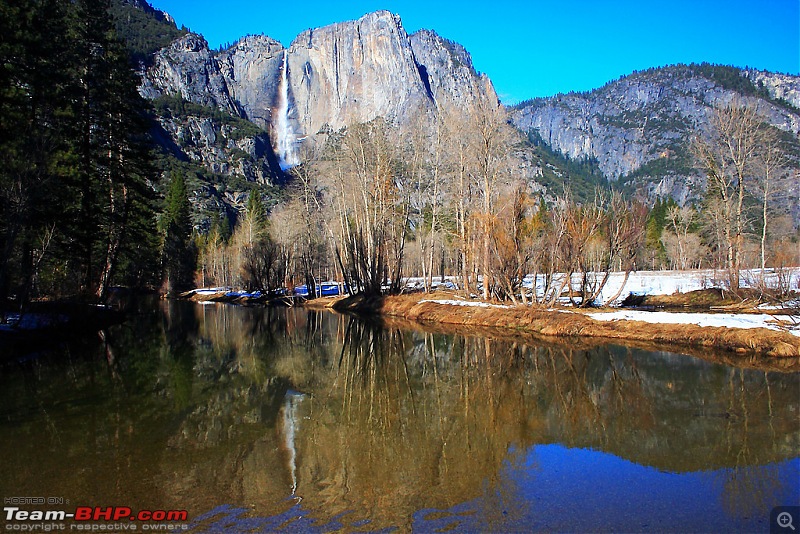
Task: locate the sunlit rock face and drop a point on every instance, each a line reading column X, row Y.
column 338, row 75
column 188, row 68
column 251, row 69
column 647, row 119
column 354, row 72
column 446, row 68
column 782, row 86
column 642, row 117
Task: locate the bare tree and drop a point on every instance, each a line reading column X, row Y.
column 424, row 157
column 772, row 164
column 626, row 221
column 512, row 243
column 680, row 219
column 307, row 202
column 727, row 153
column 490, row 148
column 457, row 144
column 371, row 199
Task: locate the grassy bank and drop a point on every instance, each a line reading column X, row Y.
column 569, row 324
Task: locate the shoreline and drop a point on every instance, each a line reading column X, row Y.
column 424, row 310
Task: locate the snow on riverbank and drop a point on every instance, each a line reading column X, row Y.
column 730, row 320
column 785, row 323
column 652, row 282
column 671, row 282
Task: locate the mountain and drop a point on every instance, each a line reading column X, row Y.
column 328, row 78
column 637, row 129
column 632, row 133
column 144, row 28
column 335, row 76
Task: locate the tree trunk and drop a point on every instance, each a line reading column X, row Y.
column 621, row 288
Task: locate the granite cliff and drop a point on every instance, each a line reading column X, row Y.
column 338, row 75
column 235, row 118
column 637, row 129
column 633, row 131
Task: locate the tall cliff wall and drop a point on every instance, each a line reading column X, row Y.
column 354, row 72
column 338, row 75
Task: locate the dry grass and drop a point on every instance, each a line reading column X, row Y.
column 746, row 300
column 322, row 303
column 531, row 321
column 699, row 299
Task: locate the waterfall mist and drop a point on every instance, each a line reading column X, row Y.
column 285, row 137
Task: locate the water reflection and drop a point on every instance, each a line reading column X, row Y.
column 290, row 425
column 278, row 418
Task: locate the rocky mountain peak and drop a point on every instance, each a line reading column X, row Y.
column 328, row 78
column 337, row 75
column 353, row 72
column 447, row 69
column 637, row 128
column 187, row 68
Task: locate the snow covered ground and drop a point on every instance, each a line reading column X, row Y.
column 785, row 323
column 671, row 282
column 730, row 320
column 655, row 282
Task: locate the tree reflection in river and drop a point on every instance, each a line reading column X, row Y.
column 268, row 408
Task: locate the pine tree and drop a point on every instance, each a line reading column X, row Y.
column 116, row 202
column 255, row 253
column 179, row 254
column 36, row 141
column 76, row 210
column 654, row 229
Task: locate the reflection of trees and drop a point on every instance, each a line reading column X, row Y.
column 406, row 424
column 407, row 414
column 747, row 491
column 392, row 421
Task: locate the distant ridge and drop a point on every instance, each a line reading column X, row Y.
column 637, row 128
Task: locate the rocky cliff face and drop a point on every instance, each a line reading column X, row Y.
column 635, row 129
column 446, row 69
column 353, row 72
column 338, row 75
column 187, row 68
column 328, row 78
column 779, row 86
column 251, row 72
column 641, row 124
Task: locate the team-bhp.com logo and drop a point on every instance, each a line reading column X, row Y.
column 83, row 515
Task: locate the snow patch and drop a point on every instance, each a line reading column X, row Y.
column 727, row 320
column 667, row 282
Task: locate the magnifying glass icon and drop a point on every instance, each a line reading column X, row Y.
column 785, row 520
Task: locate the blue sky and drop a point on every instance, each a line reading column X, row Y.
column 540, row 48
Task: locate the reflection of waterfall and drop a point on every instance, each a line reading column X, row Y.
column 290, row 424
column 285, row 136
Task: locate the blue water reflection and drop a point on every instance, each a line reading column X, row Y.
column 271, row 420
column 552, row 488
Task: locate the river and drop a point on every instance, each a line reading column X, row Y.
column 256, row 419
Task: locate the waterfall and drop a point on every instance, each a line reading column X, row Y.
column 285, row 136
